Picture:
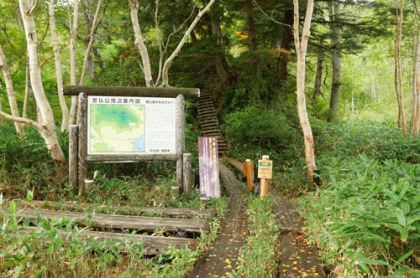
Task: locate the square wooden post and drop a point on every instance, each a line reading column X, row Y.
column 180, row 139
column 82, row 123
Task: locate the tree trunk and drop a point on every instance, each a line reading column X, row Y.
column 301, row 44
column 415, row 117
column 10, row 91
column 319, row 70
column 225, row 73
column 286, row 46
column 87, row 12
column 49, row 130
column 334, row 12
column 63, row 104
column 91, row 39
column 144, row 54
column 73, row 73
column 27, row 89
column 253, row 46
column 401, row 122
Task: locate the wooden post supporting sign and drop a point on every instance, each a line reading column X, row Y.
column 265, row 170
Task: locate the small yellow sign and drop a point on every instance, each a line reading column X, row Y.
column 265, row 169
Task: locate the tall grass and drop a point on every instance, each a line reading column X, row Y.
column 366, row 215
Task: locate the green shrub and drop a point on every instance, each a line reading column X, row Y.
column 254, row 131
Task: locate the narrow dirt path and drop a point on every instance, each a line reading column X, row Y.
column 223, row 255
column 296, row 257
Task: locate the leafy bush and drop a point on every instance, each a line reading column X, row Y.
column 26, row 163
column 254, row 131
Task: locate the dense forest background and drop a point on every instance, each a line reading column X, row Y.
column 361, row 89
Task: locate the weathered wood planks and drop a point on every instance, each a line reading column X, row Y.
column 138, row 223
column 153, row 245
column 147, row 211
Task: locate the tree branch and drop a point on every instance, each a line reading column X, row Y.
column 270, row 17
column 168, row 62
column 21, row 120
column 33, row 7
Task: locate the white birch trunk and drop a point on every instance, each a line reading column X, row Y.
column 415, row 118
column 72, row 48
column 144, row 54
column 59, row 74
column 27, row 84
column 398, row 70
column 49, row 130
column 301, row 44
column 168, row 62
column 10, row 91
column 91, row 39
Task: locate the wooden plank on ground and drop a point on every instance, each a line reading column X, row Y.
column 153, row 244
column 126, row 210
column 139, row 223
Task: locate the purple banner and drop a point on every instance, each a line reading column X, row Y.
column 209, row 167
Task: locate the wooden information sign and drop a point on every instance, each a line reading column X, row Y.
column 128, row 124
column 265, row 169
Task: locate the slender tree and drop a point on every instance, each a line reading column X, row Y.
column 10, row 91
column 47, row 127
column 58, row 71
column 72, row 50
column 415, row 116
column 301, row 45
column 399, row 16
column 334, row 14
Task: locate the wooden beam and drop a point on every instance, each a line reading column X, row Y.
column 73, row 164
column 82, row 123
column 126, row 210
column 138, row 223
column 180, row 139
column 131, row 91
column 187, row 172
column 131, row 158
column 153, row 245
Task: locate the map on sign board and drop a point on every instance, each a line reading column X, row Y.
column 131, row 125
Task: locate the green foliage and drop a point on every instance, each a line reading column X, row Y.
column 256, row 130
column 26, row 163
column 366, row 216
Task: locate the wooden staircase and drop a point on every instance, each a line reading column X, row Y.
column 208, row 121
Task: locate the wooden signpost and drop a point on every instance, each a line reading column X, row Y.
column 248, row 170
column 265, row 170
column 128, row 124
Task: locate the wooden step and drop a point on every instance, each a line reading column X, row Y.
column 153, row 245
column 124, row 210
column 139, row 223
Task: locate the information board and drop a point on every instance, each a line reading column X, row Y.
column 131, row 125
column 208, row 155
column 265, row 169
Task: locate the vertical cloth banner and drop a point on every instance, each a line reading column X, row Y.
column 208, row 155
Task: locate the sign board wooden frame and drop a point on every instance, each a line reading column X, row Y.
column 78, row 156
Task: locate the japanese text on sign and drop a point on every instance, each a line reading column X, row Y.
column 131, row 125
column 265, row 169
column 209, row 167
